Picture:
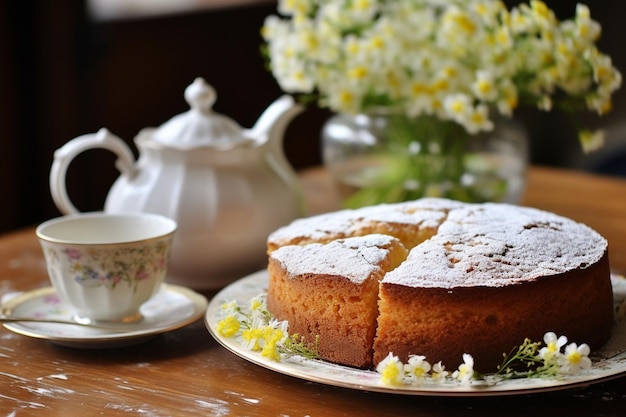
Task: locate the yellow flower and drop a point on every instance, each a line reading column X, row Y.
column 575, row 358
column 269, row 351
column 439, row 372
column 391, row 371
column 466, row 370
column 261, row 332
column 417, row 367
column 255, row 303
column 591, row 141
column 253, row 337
column 229, row 326
column 271, row 339
column 230, row 306
column 549, row 353
column 362, row 4
column 358, row 73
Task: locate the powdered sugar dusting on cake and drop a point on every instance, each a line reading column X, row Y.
column 318, row 228
column 354, row 258
column 429, row 212
column 411, row 213
column 496, row 245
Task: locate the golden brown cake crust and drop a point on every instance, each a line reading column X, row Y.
column 486, row 322
column 341, row 309
column 317, row 305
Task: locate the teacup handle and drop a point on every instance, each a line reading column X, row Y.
column 64, row 155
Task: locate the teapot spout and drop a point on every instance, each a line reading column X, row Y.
column 271, row 126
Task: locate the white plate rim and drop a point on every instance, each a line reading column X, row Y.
column 254, row 284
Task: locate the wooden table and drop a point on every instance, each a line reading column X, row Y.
column 186, row 372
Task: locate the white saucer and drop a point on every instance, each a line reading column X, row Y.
column 171, row 308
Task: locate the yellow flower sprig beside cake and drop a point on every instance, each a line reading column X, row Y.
column 258, row 331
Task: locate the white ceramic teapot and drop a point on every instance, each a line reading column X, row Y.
column 227, row 187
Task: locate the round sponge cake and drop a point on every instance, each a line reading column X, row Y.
column 478, row 279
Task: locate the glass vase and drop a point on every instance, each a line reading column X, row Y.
column 384, row 158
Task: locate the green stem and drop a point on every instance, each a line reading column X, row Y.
column 426, row 157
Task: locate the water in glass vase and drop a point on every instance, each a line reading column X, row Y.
column 356, row 174
column 374, row 159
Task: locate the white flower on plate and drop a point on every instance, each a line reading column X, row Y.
column 574, row 359
column 391, row 371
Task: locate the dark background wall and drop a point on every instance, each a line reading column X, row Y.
column 62, row 74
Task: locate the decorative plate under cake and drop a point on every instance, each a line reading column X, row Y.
column 608, row 363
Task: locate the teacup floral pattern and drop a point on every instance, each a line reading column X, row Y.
column 109, row 267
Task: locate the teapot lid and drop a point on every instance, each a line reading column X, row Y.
column 200, row 126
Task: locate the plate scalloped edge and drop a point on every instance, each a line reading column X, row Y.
column 611, row 365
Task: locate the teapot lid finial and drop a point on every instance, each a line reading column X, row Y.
column 200, row 95
column 200, row 126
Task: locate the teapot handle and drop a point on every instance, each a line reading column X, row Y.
column 65, row 154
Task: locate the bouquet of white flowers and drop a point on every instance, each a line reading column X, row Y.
column 457, row 60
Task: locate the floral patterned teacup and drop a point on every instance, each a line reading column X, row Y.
column 107, row 265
